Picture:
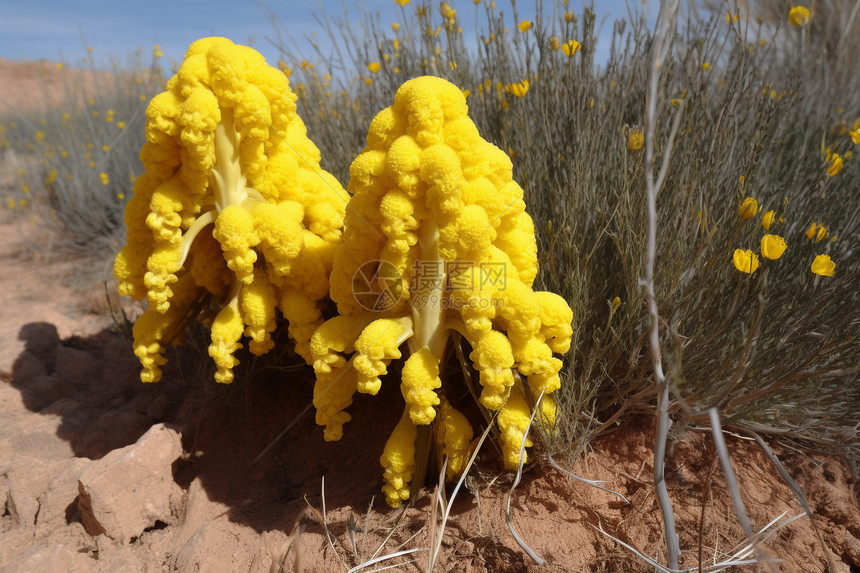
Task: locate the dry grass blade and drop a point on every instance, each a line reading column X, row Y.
column 592, row 483
column 394, row 555
column 322, row 518
column 443, row 506
column 739, row 556
column 534, row 556
column 734, row 490
column 798, row 493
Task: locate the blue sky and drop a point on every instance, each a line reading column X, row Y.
column 61, row 29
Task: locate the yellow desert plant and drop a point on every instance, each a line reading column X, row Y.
column 233, row 218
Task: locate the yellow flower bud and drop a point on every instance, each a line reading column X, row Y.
column 823, row 265
column 745, row 261
column 570, row 48
column 772, row 246
column 748, row 208
column 635, row 139
column 798, row 16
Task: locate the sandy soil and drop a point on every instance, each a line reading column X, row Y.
column 259, row 490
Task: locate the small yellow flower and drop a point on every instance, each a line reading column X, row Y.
column 767, row 220
column 104, row 178
column 798, row 16
column 105, row 148
column 373, row 67
column 817, row 232
column 120, row 196
column 555, row 44
column 570, row 48
column 59, row 66
column 834, row 164
column 569, row 17
column 616, row 302
column 466, row 93
column 706, row 66
column 731, row 18
column 635, row 139
column 447, row 11
column 772, row 247
column 525, row 26
column 518, row 90
column 823, row 265
column 120, row 124
column 395, row 26
column 745, row 261
column 748, row 208
column 368, row 81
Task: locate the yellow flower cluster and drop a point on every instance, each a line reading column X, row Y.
column 773, row 246
column 234, row 217
column 437, row 241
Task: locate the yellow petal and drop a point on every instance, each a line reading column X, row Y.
column 745, row 261
column 748, row 208
column 823, row 265
column 772, row 246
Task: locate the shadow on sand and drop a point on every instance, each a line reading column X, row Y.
column 92, row 384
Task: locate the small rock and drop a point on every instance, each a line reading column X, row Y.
column 51, row 558
column 131, row 488
column 28, row 479
column 60, row 494
column 208, row 551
